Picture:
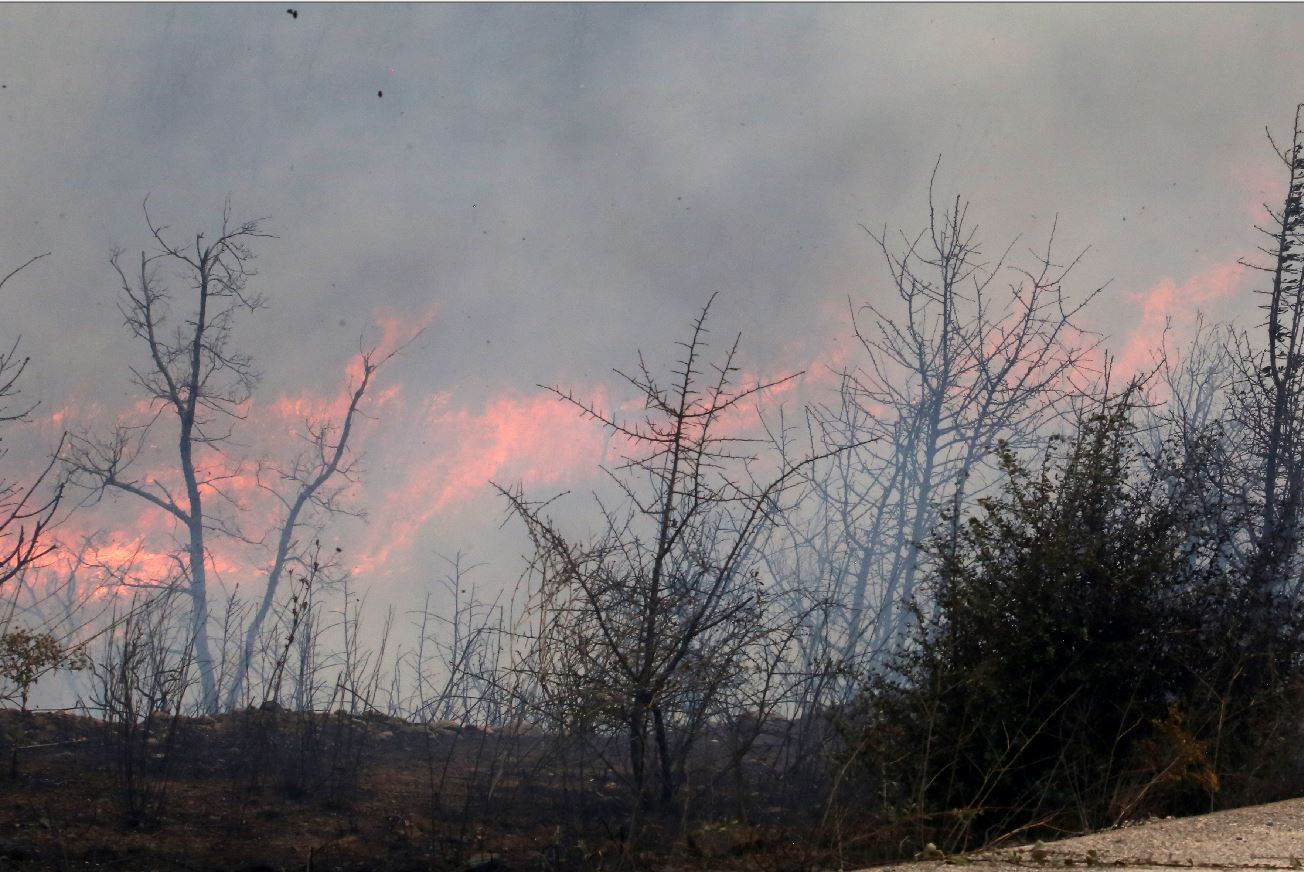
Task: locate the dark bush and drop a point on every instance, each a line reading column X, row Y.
column 1093, row 651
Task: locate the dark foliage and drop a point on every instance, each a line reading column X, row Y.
column 1093, row 652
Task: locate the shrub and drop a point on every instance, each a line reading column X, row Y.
column 1092, row 647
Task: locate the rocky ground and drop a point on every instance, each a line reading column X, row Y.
column 1257, row 837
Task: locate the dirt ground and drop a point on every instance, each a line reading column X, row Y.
column 258, row 791
column 1258, row 837
column 278, row 791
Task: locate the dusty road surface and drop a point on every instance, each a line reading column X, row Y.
column 1259, row 837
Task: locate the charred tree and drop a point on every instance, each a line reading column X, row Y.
column 646, row 626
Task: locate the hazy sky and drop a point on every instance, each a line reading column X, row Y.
column 551, row 187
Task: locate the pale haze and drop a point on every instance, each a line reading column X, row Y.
column 549, row 188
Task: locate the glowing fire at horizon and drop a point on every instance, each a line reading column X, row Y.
column 441, row 450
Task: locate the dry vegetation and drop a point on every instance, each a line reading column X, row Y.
column 274, row 789
column 987, row 592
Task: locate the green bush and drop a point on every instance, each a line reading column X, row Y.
column 1092, row 650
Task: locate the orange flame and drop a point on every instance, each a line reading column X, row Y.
column 1168, row 303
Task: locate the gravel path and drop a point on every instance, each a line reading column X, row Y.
column 1259, row 837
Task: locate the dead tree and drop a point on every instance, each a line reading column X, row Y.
column 194, row 377
column 314, row 481
column 196, row 380
column 1268, row 397
column 646, row 626
column 985, row 352
column 27, row 510
column 1195, row 385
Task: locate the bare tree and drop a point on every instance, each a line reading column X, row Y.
column 465, row 647
column 986, row 351
column 196, row 379
column 1268, row 399
column 1195, row 384
column 316, row 479
column 647, row 624
column 26, row 510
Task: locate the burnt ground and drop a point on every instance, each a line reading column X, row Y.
column 279, row 790
column 255, row 791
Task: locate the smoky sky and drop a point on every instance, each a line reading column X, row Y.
column 552, row 187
